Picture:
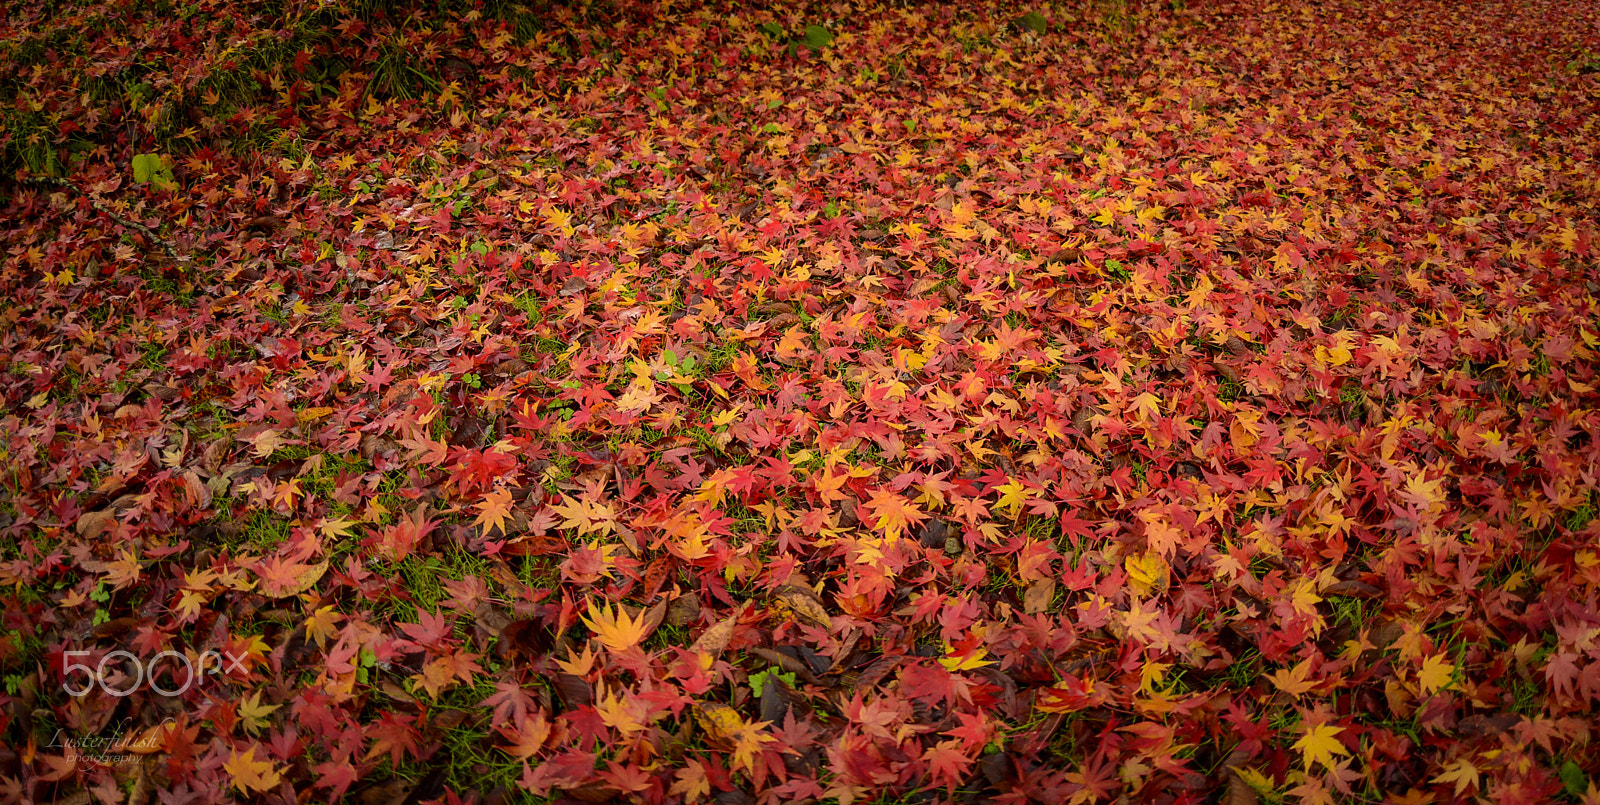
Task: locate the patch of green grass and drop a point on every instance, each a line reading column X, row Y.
column 1527, row 695
column 1540, row 365
column 1228, row 390
column 1351, row 393
column 1582, row 516
column 1586, row 62
column 1352, row 612
column 532, row 306
column 1244, row 670
column 539, row 573
column 264, row 530
column 667, row 635
column 423, row 577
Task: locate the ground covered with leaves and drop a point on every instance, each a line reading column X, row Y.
column 824, row 403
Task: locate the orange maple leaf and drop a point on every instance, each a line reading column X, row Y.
column 893, row 512
column 493, row 510
column 614, row 628
column 250, row 774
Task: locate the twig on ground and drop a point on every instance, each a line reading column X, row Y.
column 147, row 232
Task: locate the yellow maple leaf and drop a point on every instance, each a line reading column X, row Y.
column 893, row 512
column 1013, row 494
column 614, row 628
column 250, row 774
column 190, row 602
column 253, row 714
column 1435, row 674
column 1260, row 783
column 322, row 625
column 1148, row 406
column 1293, row 680
column 620, row 713
column 1151, row 673
column 585, row 516
column 333, row 528
column 751, row 739
column 1462, row 773
column 494, row 510
column 1320, row 744
column 966, row 662
column 1147, row 573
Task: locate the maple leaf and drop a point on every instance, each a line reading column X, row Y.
column 1147, row 573
column 585, row 516
column 1013, row 494
column 527, row 735
column 1147, row 406
column 1435, row 674
column 750, row 741
column 281, row 577
column 251, row 775
column 396, row 542
column 120, row 572
column 1320, row 744
column 322, row 625
column 446, row 670
column 493, row 510
column 254, row 714
column 614, row 628
column 948, row 762
column 893, row 513
column 974, row 732
column 965, row 659
column 1161, row 536
column 393, row 734
column 336, row 775
column 1293, row 680
column 691, row 782
column 1462, row 773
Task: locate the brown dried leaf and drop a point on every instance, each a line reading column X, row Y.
column 1038, row 596
column 805, row 605
column 715, row 639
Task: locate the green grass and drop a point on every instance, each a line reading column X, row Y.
column 1228, row 390
column 263, row 530
column 1582, row 516
column 423, row 576
column 1351, row 393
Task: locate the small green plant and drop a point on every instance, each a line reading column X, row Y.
column 679, row 368
column 761, row 679
column 1032, row 22
column 816, row 37
column 153, row 169
column 813, row 37
column 101, row 596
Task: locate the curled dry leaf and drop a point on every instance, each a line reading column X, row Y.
column 803, row 604
column 715, row 639
column 1038, row 596
column 718, row 722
